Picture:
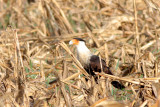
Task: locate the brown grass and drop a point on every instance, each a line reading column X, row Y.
column 37, row 68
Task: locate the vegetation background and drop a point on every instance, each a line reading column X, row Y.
column 38, row 69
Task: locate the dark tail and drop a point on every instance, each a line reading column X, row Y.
column 116, row 84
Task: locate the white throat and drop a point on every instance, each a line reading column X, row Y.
column 83, row 53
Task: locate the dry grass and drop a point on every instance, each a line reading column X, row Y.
column 37, row 68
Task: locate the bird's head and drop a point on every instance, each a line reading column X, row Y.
column 83, row 53
column 76, row 41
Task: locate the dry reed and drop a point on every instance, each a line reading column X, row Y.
column 37, row 68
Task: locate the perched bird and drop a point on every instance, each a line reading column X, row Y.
column 91, row 63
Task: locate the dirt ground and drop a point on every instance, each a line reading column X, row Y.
column 39, row 69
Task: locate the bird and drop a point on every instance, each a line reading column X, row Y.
column 92, row 63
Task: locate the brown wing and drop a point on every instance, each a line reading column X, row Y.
column 96, row 65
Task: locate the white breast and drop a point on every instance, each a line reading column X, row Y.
column 83, row 53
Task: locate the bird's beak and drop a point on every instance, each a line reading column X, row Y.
column 71, row 42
